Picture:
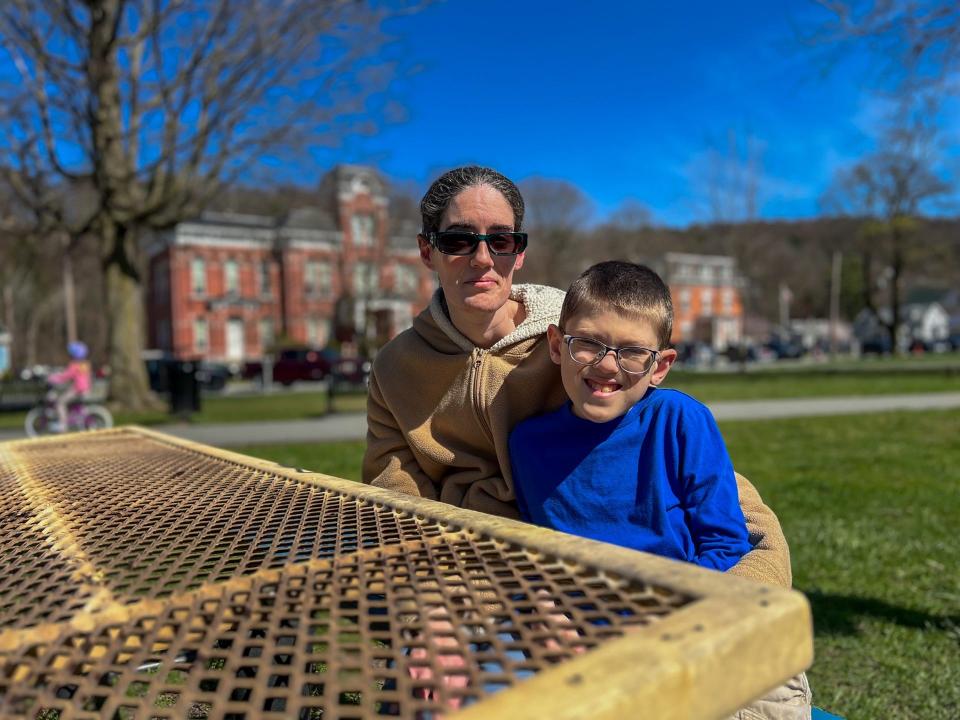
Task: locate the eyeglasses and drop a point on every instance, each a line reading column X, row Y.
column 461, row 242
column 631, row 359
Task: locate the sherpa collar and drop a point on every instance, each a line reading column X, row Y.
column 541, row 302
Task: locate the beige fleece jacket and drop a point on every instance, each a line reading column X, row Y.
column 440, row 410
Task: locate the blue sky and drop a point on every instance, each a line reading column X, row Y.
column 626, row 99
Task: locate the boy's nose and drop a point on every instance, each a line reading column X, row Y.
column 608, row 363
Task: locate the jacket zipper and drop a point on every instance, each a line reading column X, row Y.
column 478, row 406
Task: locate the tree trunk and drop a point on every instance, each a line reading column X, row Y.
column 129, row 386
column 69, row 294
column 10, row 321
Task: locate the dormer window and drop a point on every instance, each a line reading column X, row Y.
column 362, row 228
column 360, row 186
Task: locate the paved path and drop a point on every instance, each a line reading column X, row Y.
column 353, row 426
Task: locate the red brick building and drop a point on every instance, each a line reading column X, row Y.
column 707, row 301
column 226, row 286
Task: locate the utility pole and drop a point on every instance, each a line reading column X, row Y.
column 785, row 297
column 835, row 300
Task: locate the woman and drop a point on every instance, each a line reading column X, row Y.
column 445, row 393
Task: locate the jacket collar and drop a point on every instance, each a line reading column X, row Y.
column 541, row 302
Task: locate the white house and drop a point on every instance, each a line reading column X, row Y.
column 926, row 323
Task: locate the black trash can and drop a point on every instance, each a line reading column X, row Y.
column 184, row 387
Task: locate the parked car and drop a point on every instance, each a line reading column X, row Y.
column 784, row 349
column 306, row 364
column 292, row 365
column 350, row 370
column 211, row 376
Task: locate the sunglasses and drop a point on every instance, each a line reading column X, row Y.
column 462, row 242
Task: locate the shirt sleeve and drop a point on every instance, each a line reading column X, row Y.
column 389, row 461
column 710, row 501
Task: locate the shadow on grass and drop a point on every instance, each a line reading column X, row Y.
column 841, row 614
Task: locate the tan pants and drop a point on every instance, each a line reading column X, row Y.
column 790, row 701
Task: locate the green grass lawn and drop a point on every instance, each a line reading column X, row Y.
column 770, row 384
column 871, row 507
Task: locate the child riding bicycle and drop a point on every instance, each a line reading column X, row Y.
column 76, row 381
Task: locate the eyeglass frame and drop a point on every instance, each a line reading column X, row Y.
column 520, row 237
column 655, row 354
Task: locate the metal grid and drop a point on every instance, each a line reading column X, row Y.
column 155, row 578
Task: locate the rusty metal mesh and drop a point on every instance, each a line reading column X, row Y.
column 148, row 579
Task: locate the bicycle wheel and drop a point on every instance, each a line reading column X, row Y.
column 36, row 423
column 98, row 418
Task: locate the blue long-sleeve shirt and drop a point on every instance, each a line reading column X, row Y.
column 657, row 479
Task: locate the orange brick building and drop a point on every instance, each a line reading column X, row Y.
column 707, row 300
column 225, row 286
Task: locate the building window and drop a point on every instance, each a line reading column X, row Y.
column 198, row 276
column 405, row 280
column 266, row 334
column 363, row 229
column 235, row 339
column 265, row 285
column 706, row 301
column 231, row 277
column 706, row 274
column 685, row 300
column 201, row 335
column 727, row 299
column 318, row 278
column 318, row 331
column 364, row 279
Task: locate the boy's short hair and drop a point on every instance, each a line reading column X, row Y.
column 627, row 288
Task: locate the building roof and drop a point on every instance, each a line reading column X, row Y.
column 235, row 219
column 311, row 218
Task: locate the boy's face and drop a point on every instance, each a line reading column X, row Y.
column 603, row 391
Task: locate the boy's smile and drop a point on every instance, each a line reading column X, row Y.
column 603, row 392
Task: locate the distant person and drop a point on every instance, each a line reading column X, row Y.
column 76, row 380
column 445, row 394
column 624, row 461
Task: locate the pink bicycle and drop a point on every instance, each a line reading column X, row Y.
column 81, row 415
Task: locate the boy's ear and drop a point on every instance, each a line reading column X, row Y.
column 554, row 341
column 667, row 358
column 425, row 251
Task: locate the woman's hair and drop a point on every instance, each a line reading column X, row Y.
column 626, row 288
column 446, row 187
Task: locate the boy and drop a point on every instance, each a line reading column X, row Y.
column 625, row 462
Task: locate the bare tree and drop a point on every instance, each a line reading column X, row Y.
column 157, row 103
column 727, row 178
column 889, row 189
column 557, row 213
column 918, row 42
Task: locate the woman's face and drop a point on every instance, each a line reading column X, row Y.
column 480, row 282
